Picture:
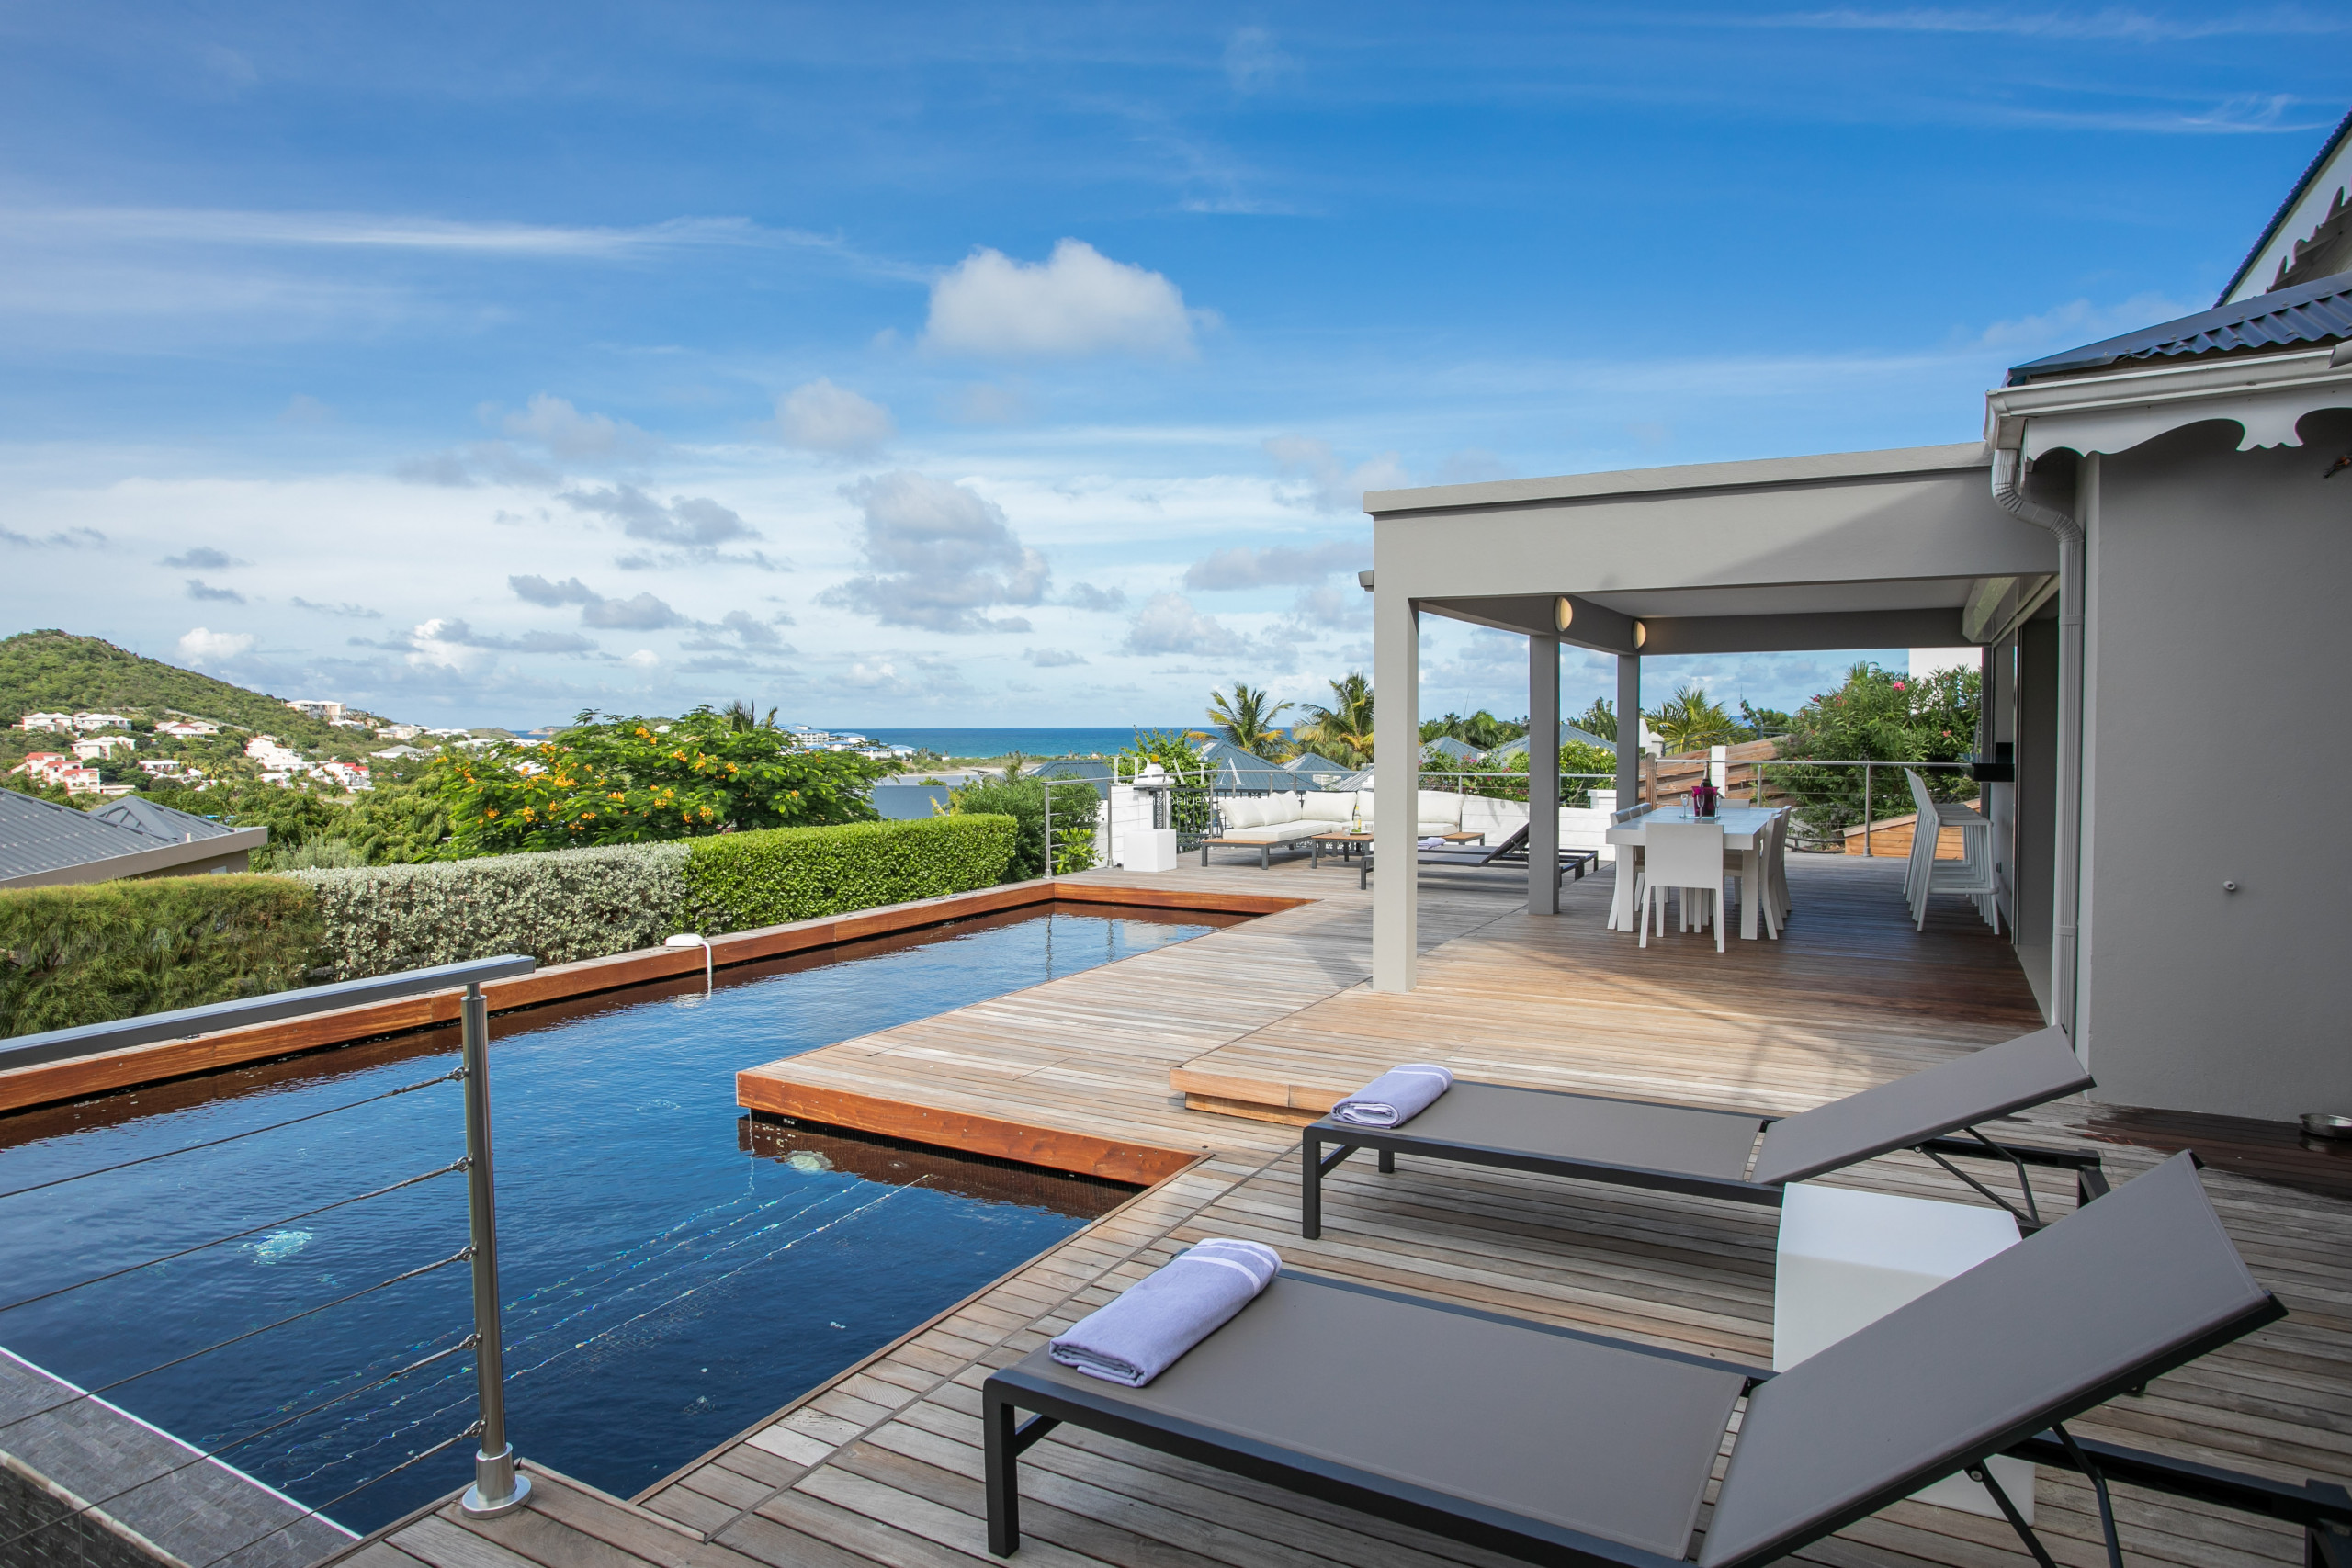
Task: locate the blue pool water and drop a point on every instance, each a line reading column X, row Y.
column 672, row 1271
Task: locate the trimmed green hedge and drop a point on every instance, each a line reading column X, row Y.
column 799, row 874
column 117, row 949
column 88, row 954
column 558, row 906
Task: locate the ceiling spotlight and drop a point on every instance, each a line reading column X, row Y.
column 1641, row 634
column 1563, row 612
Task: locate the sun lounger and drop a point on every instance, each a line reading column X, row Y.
column 1739, row 1156
column 1511, row 854
column 1558, row 1446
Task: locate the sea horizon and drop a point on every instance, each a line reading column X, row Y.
column 1032, row 740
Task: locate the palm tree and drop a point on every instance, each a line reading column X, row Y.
column 741, row 714
column 1342, row 732
column 1688, row 721
column 1248, row 718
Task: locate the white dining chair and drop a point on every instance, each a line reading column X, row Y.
column 1688, row 856
column 1971, row 875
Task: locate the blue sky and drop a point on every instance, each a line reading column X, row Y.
column 1016, row 365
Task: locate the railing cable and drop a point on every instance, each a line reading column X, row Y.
column 457, row 1165
column 467, row 1344
column 460, row 1256
column 449, row 1077
column 418, row 1458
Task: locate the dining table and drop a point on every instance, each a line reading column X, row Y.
column 1743, row 834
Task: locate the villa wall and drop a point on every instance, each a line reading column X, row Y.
column 2214, row 631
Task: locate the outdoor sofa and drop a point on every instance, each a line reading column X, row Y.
column 1559, row 1445
column 1287, row 820
column 1741, row 1155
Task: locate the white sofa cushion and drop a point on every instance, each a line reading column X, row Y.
column 1237, row 811
column 1330, row 806
column 1436, row 805
column 1281, row 807
column 1275, row 832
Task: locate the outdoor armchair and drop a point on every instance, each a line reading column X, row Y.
column 1558, row 1446
column 1740, row 1155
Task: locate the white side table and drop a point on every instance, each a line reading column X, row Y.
column 1848, row 1258
column 1154, row 848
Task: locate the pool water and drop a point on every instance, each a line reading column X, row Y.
column 672, row 1271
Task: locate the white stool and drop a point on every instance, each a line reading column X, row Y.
column 1848, row 1258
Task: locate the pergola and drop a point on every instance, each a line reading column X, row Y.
column 1898, row 549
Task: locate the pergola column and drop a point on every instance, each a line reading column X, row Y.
column 1542, row 775
column 1396, row 781
column 1629, row 731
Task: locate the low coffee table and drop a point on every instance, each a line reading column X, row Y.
column 1349, row 844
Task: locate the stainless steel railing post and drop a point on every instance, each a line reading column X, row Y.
column 497, row 1489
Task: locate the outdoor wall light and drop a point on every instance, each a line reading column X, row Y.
column 1641, row 634
column 1564, row 611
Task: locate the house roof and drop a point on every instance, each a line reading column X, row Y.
column 39, row 838
column 2295, row 198
column 2314, row 312
column 1452, row 748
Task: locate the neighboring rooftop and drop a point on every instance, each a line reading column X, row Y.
column 2319, row 312
column 43, row 842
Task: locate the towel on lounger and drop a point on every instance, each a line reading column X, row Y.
column 1395, row 1096
column 1160, row 1316
column 1435, row 841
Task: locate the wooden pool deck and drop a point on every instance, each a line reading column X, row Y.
column 1196, row 1059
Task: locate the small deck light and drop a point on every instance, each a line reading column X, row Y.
column 1564, row 612
column 691, row 939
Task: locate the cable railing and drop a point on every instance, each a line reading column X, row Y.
column 497, row 1487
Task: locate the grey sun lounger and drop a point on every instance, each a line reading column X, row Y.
column 1740, row 1155
column 1511, row 854
column 1563, row 1446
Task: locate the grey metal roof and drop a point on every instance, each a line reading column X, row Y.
column 2270, row 230
column 2317, row 311
column 1450, row 747
column 41, row 835
column 159, row 822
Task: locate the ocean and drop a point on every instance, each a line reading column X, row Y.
column 996, row 742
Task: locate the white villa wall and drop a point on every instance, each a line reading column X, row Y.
column 2218, row 581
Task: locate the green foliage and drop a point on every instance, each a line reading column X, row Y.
column 745, row 880
column 1880, row 717
column 56, row 671
column 1343, row 731
column 1171, row 750
column 1688, row 721
column 610, row 780
column 1600, row 719
column 25, row 783
column 1503, row 775
column 1757, row 724
column 1481, row 731
column 1076, row 809
column 558, row 907
column 88, row 955
column 1247, row 719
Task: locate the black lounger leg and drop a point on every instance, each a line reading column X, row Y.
column 1310, row 1187
column 1388, row 1162
column 1003, row 1473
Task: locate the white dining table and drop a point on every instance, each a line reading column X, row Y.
column 1743, row 833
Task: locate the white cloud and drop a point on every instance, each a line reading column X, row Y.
column 203, row 557
column 936, row 555
column 1086, row 596
column 985, row 402
column 563, row 430
column 694, row 525
column 475, row 463
column 1251, row 60
column 1324, row 484
column 63, row 540
column 1168, row 624
column 1052, row 658
column 201, row 646
column 822, row 417
column 1077, row 301
column 2109, row 22
column 199, row 589
column 448, row 643
column 2079, row 322
column 642, row 613
column 1242, row 566
column 539, row 591
column 643, row 659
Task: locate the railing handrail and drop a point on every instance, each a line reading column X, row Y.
column 180, row 1024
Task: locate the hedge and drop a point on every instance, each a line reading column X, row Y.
column 1076, row 809
column 800, row 873
column 117, row 949
column 558, row 906
column 88, row 954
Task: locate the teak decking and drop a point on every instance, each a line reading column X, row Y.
column 882, row 1465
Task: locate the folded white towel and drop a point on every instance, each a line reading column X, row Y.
column 1141, row 1335
column 1395, row 1096
column 1434, row 841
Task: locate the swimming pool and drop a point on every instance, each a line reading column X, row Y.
column 672, row 1271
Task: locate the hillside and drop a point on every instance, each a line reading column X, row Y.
column 57, row 672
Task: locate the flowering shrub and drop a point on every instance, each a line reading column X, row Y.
column 609, row 780
column 1880, row 717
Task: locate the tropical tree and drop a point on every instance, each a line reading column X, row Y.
column 1247, row 719
column 1688, row 721
column 1600, row 719
column 1880, row 717
column 1343, row 731
column 1482, row 731
column 741, row 716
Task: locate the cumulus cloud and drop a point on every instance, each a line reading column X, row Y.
column 1086, row 596
column 1322, row 482
column 822, row 417
column 566, row 433
column 1329, row 608
column 448, row 643
column 983, row 402
column 201, row 646
column 475, row 463
column 1167, row 623
column 347, row 610
column 1077, row 301
column 751, row 631
column 641, row 612
column 936, row 555
column 693, row 527
column 1242, row 566
column 539, row 591
column 198, row 589
column 1052, row 658
column 64, row 539
column 752, row 635
column 203, row 557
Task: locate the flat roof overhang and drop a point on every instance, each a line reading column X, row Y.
column 1870, row 549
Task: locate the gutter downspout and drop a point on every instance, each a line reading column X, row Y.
column 2008, row 494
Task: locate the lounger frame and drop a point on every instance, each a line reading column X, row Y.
column 2090, row 1181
